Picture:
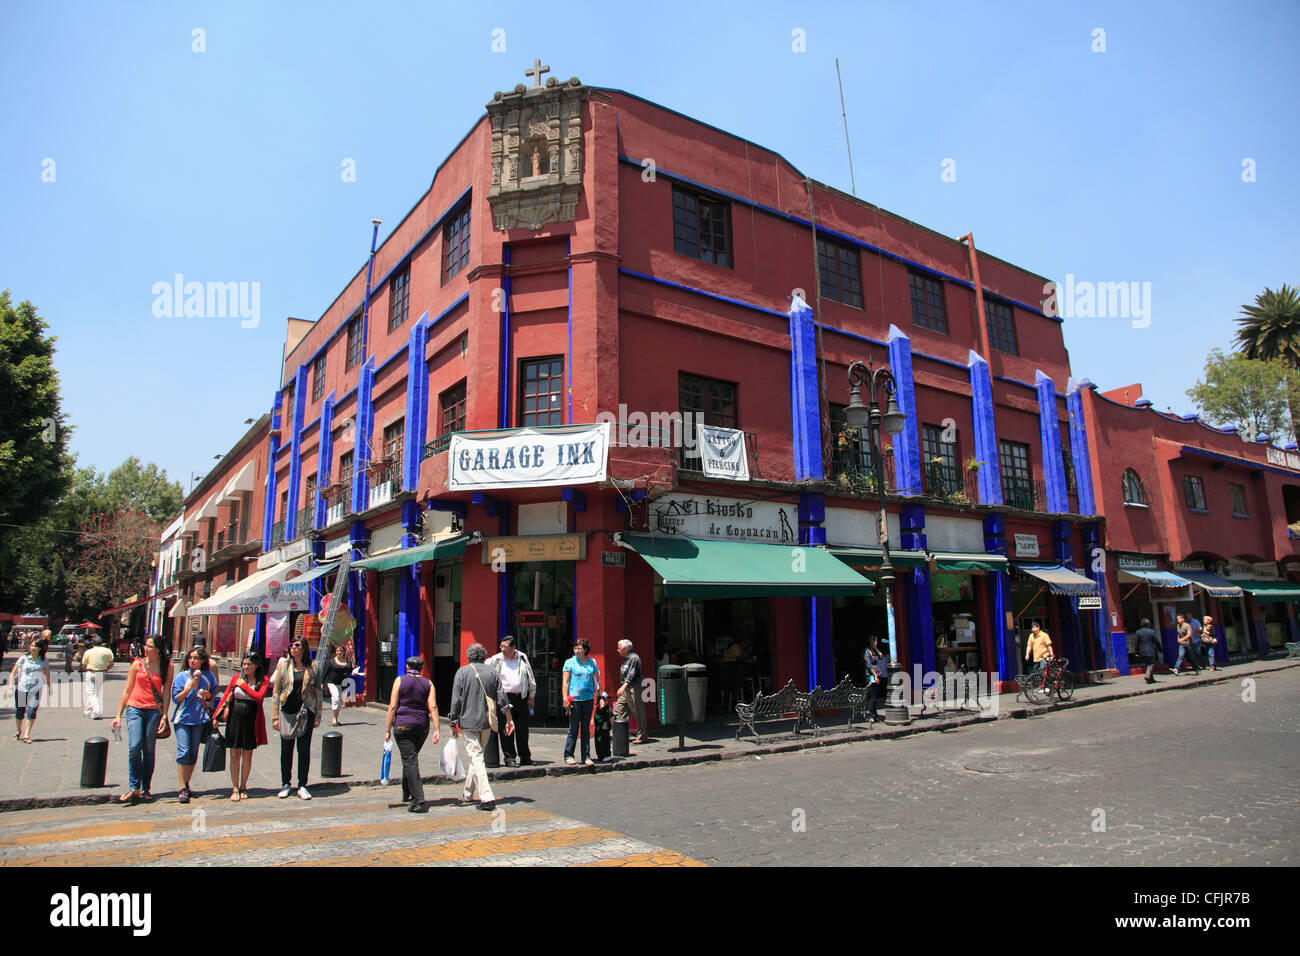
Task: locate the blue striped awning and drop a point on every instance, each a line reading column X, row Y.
column 1157, row 579
column 1059, row 579
column 1212, row 584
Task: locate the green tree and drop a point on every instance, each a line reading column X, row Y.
column 34, row 463
column 133, row 487
column 1270, row 330
column 1254, row 395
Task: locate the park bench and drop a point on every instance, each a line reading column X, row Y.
column 1293, row 650
column 769, row 707
column 843, row 696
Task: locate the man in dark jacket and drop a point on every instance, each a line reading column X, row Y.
column 473, row 686
column 1148, row 645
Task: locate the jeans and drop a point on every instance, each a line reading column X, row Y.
column 189, row 738
column 26, row 703
column 515, row 746
column 141, row 737
column 409, row 741
column 476, row 778
column 1210, row 648
column 873, row 697
column 304, row 753
column 580, row 722
column 1188, row 652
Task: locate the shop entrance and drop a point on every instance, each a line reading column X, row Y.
column 729, row 636
column 853, row 620
column 543, row 622
column 1030, row 606
column 952, row 601
column 1235, row 627
column 387, row 636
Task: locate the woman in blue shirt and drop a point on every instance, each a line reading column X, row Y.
column 192, row 692
column 581, row 685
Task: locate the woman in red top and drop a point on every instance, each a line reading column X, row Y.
column 144, row 688
column 246, row 729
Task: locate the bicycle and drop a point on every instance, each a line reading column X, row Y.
column 1052, row 679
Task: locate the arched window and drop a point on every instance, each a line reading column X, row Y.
column 1134, row 493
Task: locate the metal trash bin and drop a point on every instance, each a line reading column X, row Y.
column 697, row 692
column 94, row 761
column 672, row 689
column 331, row 754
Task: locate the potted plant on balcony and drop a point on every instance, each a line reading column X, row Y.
column 377, row 467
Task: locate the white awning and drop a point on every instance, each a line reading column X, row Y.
column 242, row 482
column 1060, row 580
column 209, row 509
column 257, row 593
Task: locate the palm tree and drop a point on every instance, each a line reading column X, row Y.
column 1270, row 329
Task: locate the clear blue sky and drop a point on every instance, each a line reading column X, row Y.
column 225, row 165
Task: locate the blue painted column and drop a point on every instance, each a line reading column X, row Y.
column 324, row 458
column 360, row 541
column 1079, row 449
column 1063, row 548
column 295, row 452
column 1114, row 648
column 1049, row 432
column 417, row 405
column 273, row 453
column 365, row 426
column 805, row 405
column 805, row 421
column 408, row 591
column 817, row 610
column 907, row 443
column 1000, row 604
column 984, row 431
column 916, row 591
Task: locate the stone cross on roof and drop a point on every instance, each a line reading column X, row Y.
column 536, row 72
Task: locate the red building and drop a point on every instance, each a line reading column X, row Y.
column 1198, row 521
column 584, row 256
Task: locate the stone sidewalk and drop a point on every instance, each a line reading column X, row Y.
column 48, row 771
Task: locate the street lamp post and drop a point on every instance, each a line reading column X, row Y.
column 859, row 414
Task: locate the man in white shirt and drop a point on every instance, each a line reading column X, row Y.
column 520, row 685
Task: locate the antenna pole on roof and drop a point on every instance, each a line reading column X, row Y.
column 852, row 182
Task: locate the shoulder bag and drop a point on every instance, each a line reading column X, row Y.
column 491, row 704
column 296, row 725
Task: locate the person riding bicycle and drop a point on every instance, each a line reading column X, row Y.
column 1039, row 647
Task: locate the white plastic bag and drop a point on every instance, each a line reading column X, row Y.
column 386, row 762
column 450, row 760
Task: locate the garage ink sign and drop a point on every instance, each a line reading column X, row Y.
column 528, row 457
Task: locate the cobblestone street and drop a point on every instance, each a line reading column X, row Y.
column 1197, row 777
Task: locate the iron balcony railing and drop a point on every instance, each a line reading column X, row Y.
column 1024, row 494
column 942, row 481
column 858, row 476
column 277, row 534
column 305, row 521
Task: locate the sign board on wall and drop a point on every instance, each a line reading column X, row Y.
column 1137, row 562
column 722, row 453
column 1287, row 459
column 542, row 547
column 528, row 458
column 1090, row 602
column 728, row 519
column 1026, row 546
column 1196, row 565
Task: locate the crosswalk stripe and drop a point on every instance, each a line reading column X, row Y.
column 463, row 850
column 190, row 848
column 652, row 858
column 236, row 816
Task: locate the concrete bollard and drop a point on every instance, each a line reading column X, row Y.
column 331, row 754
column 94, row 761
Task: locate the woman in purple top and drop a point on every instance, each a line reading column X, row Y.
column 410, row 708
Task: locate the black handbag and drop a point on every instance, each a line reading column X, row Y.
column 214, row 752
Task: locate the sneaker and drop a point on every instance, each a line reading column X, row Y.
column 418, row 808
column 284, row 793
column 184, row 796
column 488, row 805
column 589, row 762
column 302, row 792
column 570, row 761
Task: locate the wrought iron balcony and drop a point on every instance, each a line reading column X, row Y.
column 438, row 445
column 305, row 522
column 277, row 534
column 1024, row 494
column 857, row 475
column 945, row 482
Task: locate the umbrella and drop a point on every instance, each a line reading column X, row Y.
column 88, row 624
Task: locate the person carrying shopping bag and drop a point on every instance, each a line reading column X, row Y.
column 477, row 700
column 193, row 691
column 411, row 708
column 146, row 715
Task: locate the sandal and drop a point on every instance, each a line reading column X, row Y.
column 129, row 797
column 27, row 740
column 234, row 794
column 146, row 797
column 243, row 794
column 18, row 736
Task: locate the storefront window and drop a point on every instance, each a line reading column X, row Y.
column 952, row 602
column 730, row 637
column 543, row 622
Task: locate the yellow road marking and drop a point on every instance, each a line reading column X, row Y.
column 211, row 819
column 166, row 853
column 654, row 858
column 471, row 849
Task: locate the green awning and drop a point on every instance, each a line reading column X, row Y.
column 1272, row 592
column 959, row 561
column 874, row 557
column 730, row 569
column 449, row 548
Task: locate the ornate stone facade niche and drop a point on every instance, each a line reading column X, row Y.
column 536, row 154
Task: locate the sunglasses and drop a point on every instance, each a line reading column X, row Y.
column 296, row 644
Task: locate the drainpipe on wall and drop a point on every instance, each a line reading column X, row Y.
column 969, row 239
column 365, row 303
